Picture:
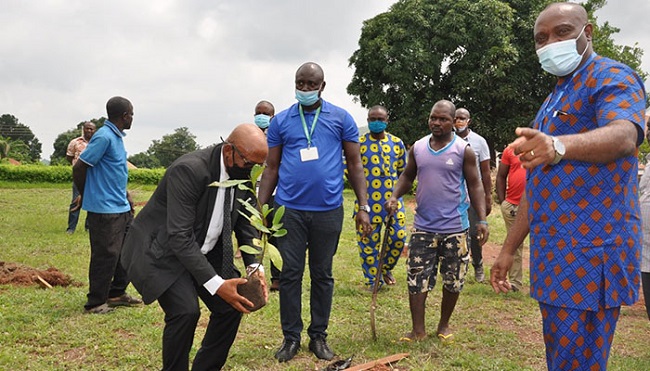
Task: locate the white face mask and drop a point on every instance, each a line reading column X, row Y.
column 460, row 129
column 561, row 58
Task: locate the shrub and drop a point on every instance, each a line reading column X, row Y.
column 63, row 174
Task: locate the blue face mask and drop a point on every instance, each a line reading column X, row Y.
column 561, row 58
column 376, row 126
column 307, row 98
column 262, row 120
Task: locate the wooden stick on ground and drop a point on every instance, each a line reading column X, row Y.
column 43, row 282
column 380, row 264
column 380, row 361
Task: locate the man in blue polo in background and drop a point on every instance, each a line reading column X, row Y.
column 101, row 175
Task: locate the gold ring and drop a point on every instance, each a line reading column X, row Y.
column 532, row 153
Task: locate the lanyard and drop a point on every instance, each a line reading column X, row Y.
column 308, row 134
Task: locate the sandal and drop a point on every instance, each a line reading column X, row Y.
column 100, row 309
column 389, row 279
column 408, row 338
column 446, row 339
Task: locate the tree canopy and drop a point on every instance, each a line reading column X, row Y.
column 18, row 140
column 477, row 53
column 161, row 153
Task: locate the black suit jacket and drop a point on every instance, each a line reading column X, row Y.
column 166, row 236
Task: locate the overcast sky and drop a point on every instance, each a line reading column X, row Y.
column 199, row 64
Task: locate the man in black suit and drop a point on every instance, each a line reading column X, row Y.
column 173, row 252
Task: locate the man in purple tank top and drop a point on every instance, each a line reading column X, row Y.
column 447, row 174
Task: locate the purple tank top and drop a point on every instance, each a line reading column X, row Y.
column 441, row 194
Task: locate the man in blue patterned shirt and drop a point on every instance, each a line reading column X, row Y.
column 581, row 203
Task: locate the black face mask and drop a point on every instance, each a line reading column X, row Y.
column 238, row 172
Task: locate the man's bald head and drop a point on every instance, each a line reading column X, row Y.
column 447, row 106
column 573, row 10
column 463, row 111
column 250, row 141
column 311, row 69
column 563, row 21
column 265, row 107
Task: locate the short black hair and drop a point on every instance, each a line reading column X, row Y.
column 116, row 106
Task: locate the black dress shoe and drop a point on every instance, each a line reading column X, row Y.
column 288, row 350
column 319, row 347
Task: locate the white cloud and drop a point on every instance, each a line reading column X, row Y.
column 201, row 64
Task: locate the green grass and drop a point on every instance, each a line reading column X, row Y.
column 47, row 330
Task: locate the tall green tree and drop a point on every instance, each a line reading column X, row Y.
column 62, row 140
column 163, row 152
column 477, row 53
column 144, row 160
column 24, row 146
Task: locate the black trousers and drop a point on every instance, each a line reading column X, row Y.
column 476, row 250
column 106, row 277
column 318, row 232
column 645, row 284
column 182, row 313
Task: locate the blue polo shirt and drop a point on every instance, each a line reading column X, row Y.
column 315, row 185
column 108, row 174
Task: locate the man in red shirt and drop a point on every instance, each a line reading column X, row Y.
column 510, row 184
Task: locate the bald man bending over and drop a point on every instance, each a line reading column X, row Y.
column 174, row 252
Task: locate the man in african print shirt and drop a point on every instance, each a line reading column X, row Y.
column 383, row 156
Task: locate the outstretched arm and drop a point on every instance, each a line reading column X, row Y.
column 617, row 139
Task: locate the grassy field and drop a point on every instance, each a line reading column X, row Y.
column 47, row 329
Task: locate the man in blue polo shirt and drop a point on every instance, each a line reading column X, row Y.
column 101, row 175
column 305, row 145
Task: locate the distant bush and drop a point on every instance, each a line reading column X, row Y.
column 36, row 173
column 146, row 176
column 63, row 174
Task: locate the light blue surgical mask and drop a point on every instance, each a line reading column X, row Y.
column 561, row 58
column 262, row 120
column 307, row 98
column 377, row 126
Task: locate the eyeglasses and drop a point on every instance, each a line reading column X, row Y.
column 247, row 163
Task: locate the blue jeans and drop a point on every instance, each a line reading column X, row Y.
column 318, row 231
column 73, row 216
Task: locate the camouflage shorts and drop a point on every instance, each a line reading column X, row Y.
column 427, row 250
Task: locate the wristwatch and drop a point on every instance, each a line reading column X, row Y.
column 559, row 150
column 365, row 208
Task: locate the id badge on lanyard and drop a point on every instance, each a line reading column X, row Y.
column 311, row 152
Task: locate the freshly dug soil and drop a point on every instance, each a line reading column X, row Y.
column 22, row 275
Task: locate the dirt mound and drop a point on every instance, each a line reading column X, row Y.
column 22, row 275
